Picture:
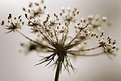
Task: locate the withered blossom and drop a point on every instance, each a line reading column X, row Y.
column 69, row 15
column 97, row 22
column 35, row 9
column 12, row 24
column 54, row 35
column 108, row 45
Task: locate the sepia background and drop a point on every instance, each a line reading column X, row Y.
column 15, row 66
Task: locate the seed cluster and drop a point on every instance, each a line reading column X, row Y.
column 54, row 35
column 35, row 9
column 14, row 23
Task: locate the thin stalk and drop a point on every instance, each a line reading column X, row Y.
column 87, row 55
column 76, row 36
column 89, row 49
column 33, row 40
column 57, row 71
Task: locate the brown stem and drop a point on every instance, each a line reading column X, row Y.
column 87, row 55
column 33, row 40
column 89, row 49
column 57, row 71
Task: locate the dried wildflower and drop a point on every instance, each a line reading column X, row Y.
column 97, row 22
column 55, row 35
column 69, row 16
column 33, row 13
column 108, row 46
column 13, row 26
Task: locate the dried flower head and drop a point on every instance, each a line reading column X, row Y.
column 35, row 9
column 13, row 23
column 69, row 16
column 54, row 35
column 108, row 45
column 97, row 22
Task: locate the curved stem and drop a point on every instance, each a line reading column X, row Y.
column 75, row 44
column 87, row 55
column 33, row 40
column 89, row 49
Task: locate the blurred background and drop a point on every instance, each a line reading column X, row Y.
column 15, row 66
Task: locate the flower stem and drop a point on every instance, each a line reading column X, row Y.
column 33, row 40
column 57, row 71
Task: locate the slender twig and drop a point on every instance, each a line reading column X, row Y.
column 33, row 40
column 47, row 38
column 55, row 35
column 58, row 71
column 76, row 36
column 65, row 36
column 89, row 49
column 87, row 55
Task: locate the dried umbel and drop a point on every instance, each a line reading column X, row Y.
column 63, row 35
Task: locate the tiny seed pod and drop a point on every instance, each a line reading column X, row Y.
column 37, row 4
column 22, row 23
column 9, row 16
column 29, row 10
column 19, row 17
column 14, row 18
column 26, row 16
column 42, row 1
column 30, row 4
column 90, row 18
column 22, row 44
column 113, row 47
column 96, row 36
column 77, row 12
column 2, row 23
column 60, row 14
column 104, row 19
column 101, row 34
column 23, row 9
column 20, row 20
column 44, row 7
column 75, row 9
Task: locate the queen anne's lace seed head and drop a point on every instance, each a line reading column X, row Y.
column 62, row 35
column 107, row 45
column 13, row 23
column 33, row 13
column 97, row 22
